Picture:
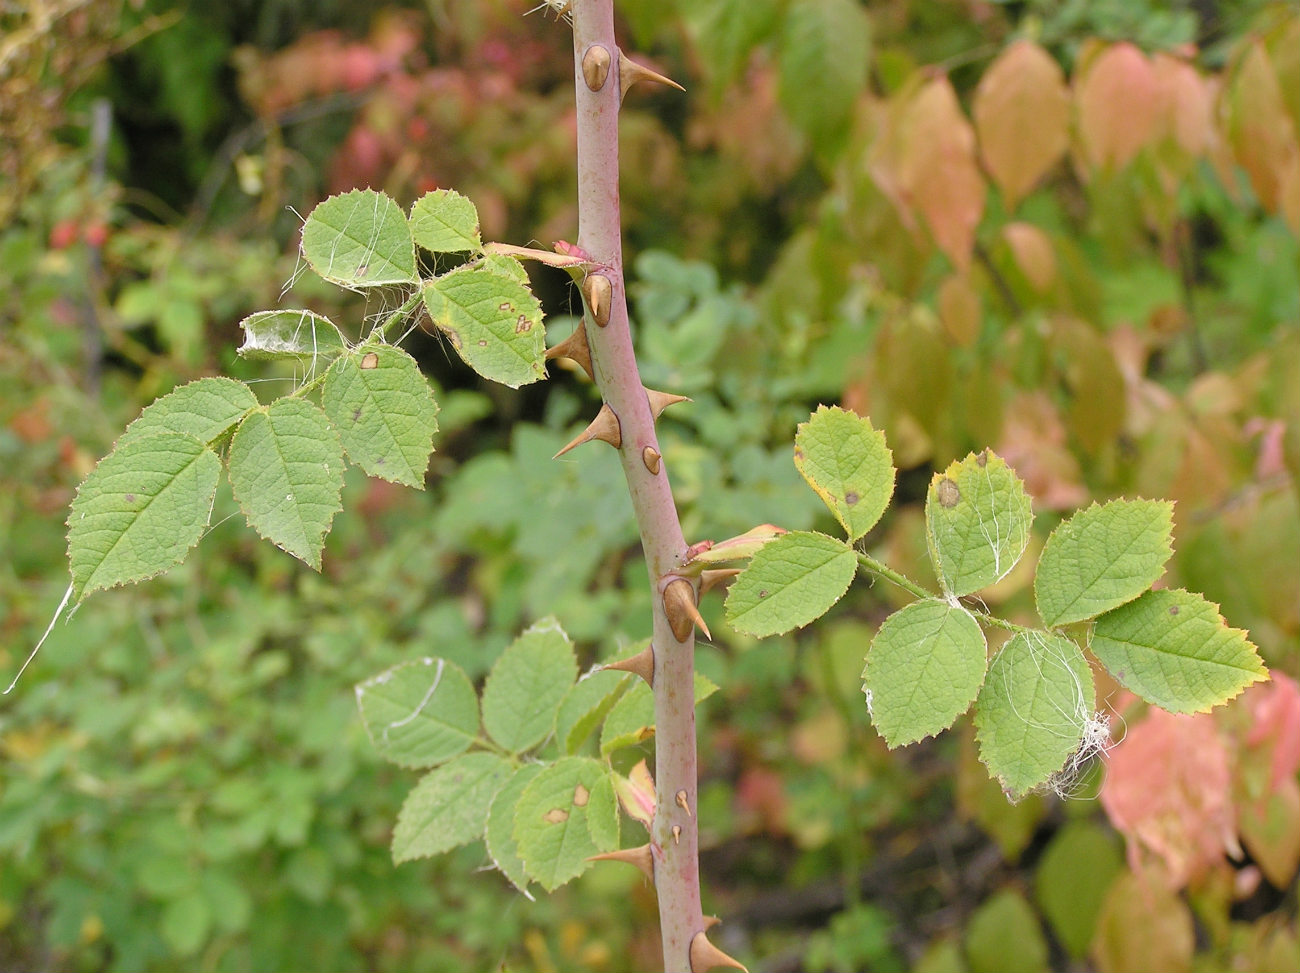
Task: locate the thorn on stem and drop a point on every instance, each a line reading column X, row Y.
column 679, row 605
column 575, row 348
column 716, row 576
column 651, row 457
column 599, row 293
column 640, row 857
column 706, row 956
column 595, row 66
column 604, row 427
column 683, row 803
column 641, row 664
column 662, row 400
column 630, row 73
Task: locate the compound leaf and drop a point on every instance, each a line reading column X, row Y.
column 140, row 510
column 1031, row 712
column 977, row 521
column 421, row 713
column 384, row 412
column 526, row 685
column 444, row 221
column 493, row 321
column 924, row 669
column 848, row 464
column 206, row 410
column 1174, row 649
column 790, row 581
column 286, row 468
column 1101, row 558
column 563, row 818
column 360, row 239
column 449, row 806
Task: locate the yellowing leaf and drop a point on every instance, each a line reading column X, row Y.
column 1022, row 117
column 1033, row 253
column 959, row 309
column 1119, row 76
column 1260, row 130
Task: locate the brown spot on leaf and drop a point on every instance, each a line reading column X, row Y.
column 454, row 337
column 982, row 460
column 580, row 795
column 523, row 325
column 504, row 306
column 482, row 342
column 948, row 493
column 130, row 498
column 556, row 815
column 1173, row 609
column 851, row 498
column 356, row 416
column 763, row 593
column 370, row 360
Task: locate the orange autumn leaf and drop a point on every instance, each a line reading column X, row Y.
column 924, row 161
column 1033, row 253
column 1260, row 130
column 1119, row 77
column 1022, row 117
column 959, row 309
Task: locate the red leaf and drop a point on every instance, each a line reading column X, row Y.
column 1167, row 790
column 1118, row 98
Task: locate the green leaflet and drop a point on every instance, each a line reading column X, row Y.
column 564, row 816
column 849, row 466
column 421, row 713
column 449, row 806
column 360, row 239
column 1174, row 649
column 493, row 321
column 924, row 669
column 301, row 335
column 206, row 410
column 1101, row 558
column 140, row 510
column 632, row 718
column 384, row 412
column 1031, row 711
column 286, row 468
column 790, row 582
column 1072, row 880
column 444, row 221
column 977, row 522
column 499, row 833
column 586, row 704
column 823, row 61
column 526, row 685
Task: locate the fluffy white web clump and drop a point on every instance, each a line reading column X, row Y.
column 1068, row 781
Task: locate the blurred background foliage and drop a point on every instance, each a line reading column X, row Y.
column 1080, row 249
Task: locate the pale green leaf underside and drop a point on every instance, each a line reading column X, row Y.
column 1031, row 711
column 286, row 468
column 206, row 410
column 1174, row 649
column 1101, row 558
column 924, row 669
column 849, row 466
column 977, row 518
column 360, row 239
column 296, row 334
column 526, row 685
column 421, row 713
column 449, row 806
column 140, row 510
column 563, row 818
column 499, row 833
column 586, row 704
column 384, row 412
column 444, row 221
column 493, row 322
column 790, row 582
column 632, row 718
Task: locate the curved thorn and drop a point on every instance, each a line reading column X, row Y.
column 706, row 956
column 662, row 400
column 599, row 292
column 679, row 606
column 629, row 73
column 651, row 457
